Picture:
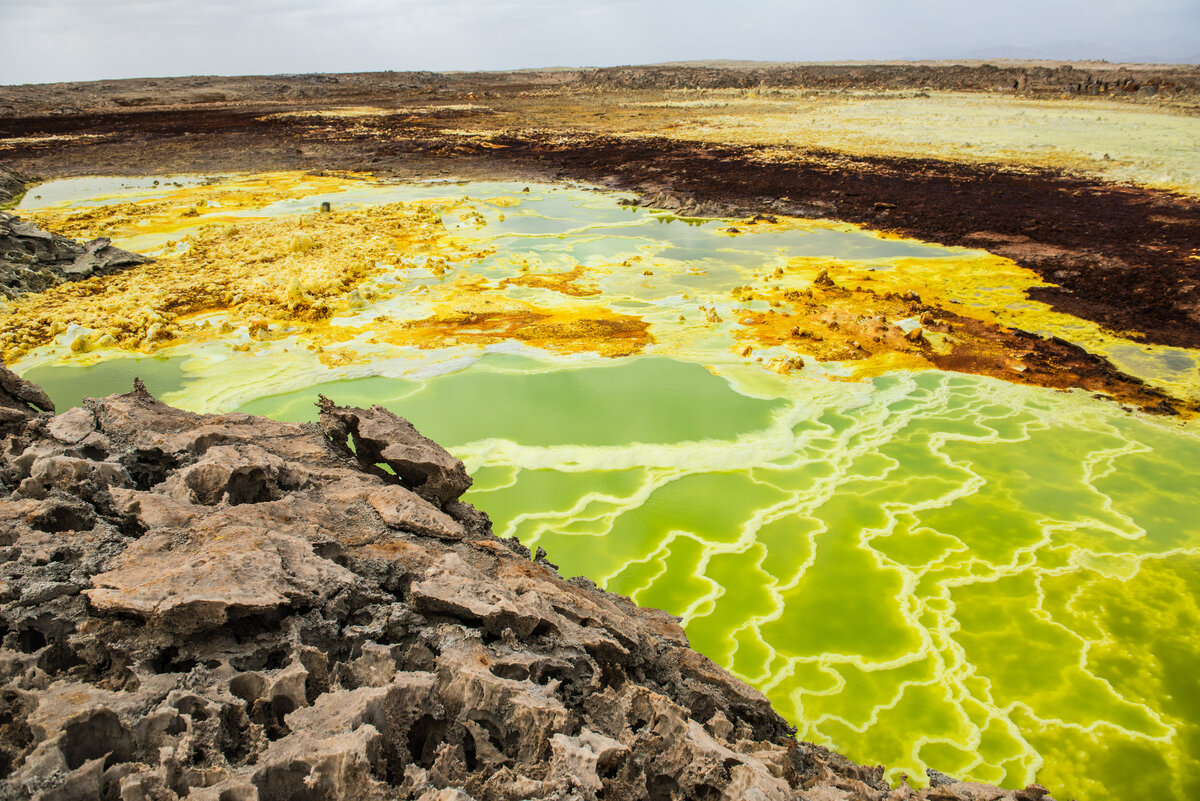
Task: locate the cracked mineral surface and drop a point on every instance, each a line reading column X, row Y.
column 797, row 466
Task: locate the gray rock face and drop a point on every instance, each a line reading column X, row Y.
column 379, row 439
column 20, row 400
column 12, row 184
column 228, row 608
column 32, row 260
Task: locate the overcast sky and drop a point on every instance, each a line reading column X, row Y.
column 75, row 40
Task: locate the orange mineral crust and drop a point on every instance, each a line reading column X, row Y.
column 861, row 327
column 485, row 320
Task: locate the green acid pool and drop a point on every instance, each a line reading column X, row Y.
column 919, row 569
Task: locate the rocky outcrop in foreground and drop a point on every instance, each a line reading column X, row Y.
column 32, row 260
column 231, row 608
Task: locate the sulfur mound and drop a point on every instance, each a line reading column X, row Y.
column 231, row 608
column 32, row 260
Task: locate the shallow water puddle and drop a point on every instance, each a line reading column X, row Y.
column 921, row 568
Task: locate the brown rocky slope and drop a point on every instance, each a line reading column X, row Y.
column 232, row 608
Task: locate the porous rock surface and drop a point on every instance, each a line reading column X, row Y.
column 228, row 608
column 32, row 260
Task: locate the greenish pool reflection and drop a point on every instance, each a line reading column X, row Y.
column 647, row 400
column 68, row 385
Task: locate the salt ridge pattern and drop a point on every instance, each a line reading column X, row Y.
column 952, row 551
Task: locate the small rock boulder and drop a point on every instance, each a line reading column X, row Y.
column 375, row 437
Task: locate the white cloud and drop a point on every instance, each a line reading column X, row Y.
column 48, row 40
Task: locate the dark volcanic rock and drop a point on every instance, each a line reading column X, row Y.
column 229, row 608
column 32, row 260
column 12, row 184
column 20, row 400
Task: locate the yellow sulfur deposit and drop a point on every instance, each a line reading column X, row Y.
column 291, row 275
column 1112, row 140
column 398, row 273
column 486, row 320
column 295, row 270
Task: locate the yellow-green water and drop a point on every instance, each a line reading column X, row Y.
column 921, row 569
column 927, row 570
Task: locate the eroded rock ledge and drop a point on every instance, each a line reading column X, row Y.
column 231, row 608
column 32, row 260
